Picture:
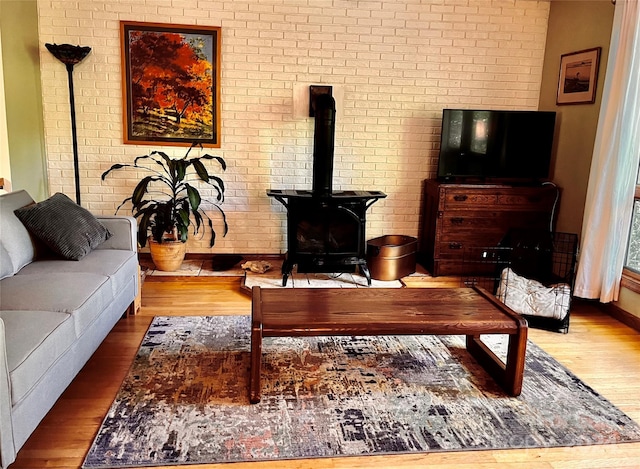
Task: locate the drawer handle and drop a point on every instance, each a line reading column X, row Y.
column 460, row 198
column 455, row 245
column 457, row 221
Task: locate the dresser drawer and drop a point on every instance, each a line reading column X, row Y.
column 446, row 268
column 528, row 200
column 475, row 225
column 456, row 199
column 449, row 249
column 453, row 222
column 514, row 199
column 454, row 247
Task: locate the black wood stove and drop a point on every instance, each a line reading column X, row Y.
column 325, row 229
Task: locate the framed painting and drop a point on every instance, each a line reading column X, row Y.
column 171, row 84
column 578, row 77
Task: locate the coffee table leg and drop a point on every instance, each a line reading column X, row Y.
column 508, row 375
column 256, row 347
column 256, row 365
column 516, row 354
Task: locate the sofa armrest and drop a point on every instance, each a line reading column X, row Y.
column 124, row 230
column 7, row 446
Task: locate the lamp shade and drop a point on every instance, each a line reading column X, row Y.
column 68, row 54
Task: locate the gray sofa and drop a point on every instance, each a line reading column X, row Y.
column 54, row 313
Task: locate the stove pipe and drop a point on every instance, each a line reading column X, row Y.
column 323, row 145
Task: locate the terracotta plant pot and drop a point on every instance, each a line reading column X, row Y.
column 168, row 255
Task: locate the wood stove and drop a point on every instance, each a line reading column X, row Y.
column 325, row 229
column 326, row 234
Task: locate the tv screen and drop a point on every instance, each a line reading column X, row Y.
column 506, row 145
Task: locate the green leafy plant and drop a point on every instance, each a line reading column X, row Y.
column 165, row 202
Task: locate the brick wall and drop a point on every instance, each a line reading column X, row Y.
column 393, row 63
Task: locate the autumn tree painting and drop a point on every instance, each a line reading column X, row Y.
column 171, row 84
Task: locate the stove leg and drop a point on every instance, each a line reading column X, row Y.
column 365, row 271
column 287, row 268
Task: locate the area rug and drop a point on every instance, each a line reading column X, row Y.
column 185, row 400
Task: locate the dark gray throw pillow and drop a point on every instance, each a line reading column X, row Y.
column 65, row 227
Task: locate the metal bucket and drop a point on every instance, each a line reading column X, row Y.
column 391, row 257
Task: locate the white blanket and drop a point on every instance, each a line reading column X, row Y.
column 532, row 298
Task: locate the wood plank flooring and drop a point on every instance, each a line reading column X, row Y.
column 600, row 350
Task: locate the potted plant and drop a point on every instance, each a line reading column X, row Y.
column 166, row 203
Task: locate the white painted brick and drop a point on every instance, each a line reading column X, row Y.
column 398, row 62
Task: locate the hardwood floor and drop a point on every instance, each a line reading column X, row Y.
column 600, row 350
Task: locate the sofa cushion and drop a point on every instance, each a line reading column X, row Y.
column 13, row 234
column 37, row 340
column 118, row 265
column 6, row 266
column 83, row 295
column 65, row 227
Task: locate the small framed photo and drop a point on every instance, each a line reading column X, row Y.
column 578, row 77
column 171, row 84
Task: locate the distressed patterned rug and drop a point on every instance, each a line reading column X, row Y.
column 185, row 400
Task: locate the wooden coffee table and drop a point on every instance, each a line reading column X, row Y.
column 279, row 312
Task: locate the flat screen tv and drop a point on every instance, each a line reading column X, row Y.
column 495, row 145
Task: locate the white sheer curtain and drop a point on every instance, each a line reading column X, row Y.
column 614, row 165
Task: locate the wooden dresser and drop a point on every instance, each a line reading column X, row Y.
column 457, row 217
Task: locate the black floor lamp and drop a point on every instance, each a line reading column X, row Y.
column 71, row 55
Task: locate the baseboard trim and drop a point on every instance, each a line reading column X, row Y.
column 621, row 315
column 200, row 256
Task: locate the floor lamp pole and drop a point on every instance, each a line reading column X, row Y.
column 74, row 133
column 71, row 55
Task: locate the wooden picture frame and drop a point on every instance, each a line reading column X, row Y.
column 171, row 84
column 578, row 77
